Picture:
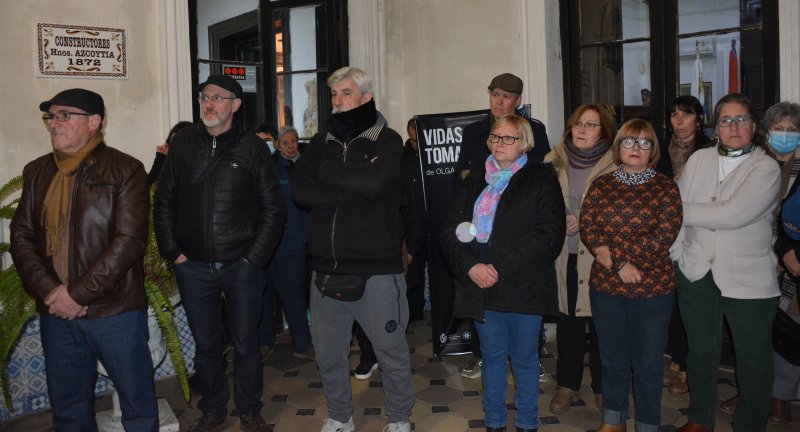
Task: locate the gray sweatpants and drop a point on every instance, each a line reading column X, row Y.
column 383, row 314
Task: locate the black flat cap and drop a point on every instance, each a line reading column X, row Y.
column 83, row 99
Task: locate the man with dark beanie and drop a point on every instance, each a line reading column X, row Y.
column 78, row 238
column 349, row 176
column 219, row 216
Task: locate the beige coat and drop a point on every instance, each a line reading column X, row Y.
column 727, row 227
column 558, row 157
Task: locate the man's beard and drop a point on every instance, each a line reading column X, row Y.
column 212, row 123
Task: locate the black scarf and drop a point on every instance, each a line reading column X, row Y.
column 583, row 159
column 349, row 124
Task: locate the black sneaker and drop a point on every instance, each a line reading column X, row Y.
column 364, row 370
column 208, row 423
column 253, row 422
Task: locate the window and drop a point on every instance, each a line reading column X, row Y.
column 281, row 52
column 638, row 55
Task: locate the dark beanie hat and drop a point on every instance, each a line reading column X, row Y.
column 225, row 82
column 83, row 99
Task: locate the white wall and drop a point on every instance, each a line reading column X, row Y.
column 136, row 118
column 434, row 57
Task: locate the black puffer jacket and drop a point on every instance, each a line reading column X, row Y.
column 527, row 235
column 354, row 192
column 218, row 198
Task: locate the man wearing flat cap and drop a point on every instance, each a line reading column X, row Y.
column 219, row 216
column 505, row 95
column 77, row 239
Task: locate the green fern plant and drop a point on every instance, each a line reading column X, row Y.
column 17, row 307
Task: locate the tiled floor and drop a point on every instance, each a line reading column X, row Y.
column 445, row 402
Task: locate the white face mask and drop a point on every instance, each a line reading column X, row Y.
column 271, row 145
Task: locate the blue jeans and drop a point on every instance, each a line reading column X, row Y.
column 286, row 277
column 71, row 351
column 201, row 286
column 632, row 336
column 514, row 335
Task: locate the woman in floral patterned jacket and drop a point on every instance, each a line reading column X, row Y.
column 629, row 219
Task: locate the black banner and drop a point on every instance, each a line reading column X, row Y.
column 439, row 139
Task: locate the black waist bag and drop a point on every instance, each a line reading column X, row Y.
column 786, row 337
column 341, row 287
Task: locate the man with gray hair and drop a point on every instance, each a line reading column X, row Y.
column 349, row 177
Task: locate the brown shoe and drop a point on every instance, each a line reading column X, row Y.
column 612, row 428
column 729, row 406
column 670, row 373
column 693, row 427
column 679, row 385
column 779, row 414
column 562, row 400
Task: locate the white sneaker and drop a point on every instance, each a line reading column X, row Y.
column 398, row 427
column 332, row 425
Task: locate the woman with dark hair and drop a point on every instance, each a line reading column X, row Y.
column 161, row 152
column 727, row 266
column 629, row 219
column 686, row 120
column 782, row 123
column 501, row 240
column 583, row 154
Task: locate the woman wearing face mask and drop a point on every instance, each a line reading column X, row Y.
column 782, row 122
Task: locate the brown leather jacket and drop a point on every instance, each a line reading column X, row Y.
column 107, row 232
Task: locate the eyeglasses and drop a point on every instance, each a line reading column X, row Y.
column 61, row 116
column 641, row 142
column 216, row 98
column 588, row 125
column 740, row 121
column 505, row 139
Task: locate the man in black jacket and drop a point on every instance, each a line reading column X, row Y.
column 219, row 216
column 349, row 176
column 505, row 95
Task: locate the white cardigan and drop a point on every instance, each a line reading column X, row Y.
column 727, row 227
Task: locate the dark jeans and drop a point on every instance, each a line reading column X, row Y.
column 286, row 278
column 632, row 333
column 365, row 346
column 415, row 280
column 678, row 345
column 72, row 350
column 201, row 286
column 571, row 340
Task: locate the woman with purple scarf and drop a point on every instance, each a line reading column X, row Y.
column 583, row 154
column 505, row 230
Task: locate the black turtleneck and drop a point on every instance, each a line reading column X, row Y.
column 349, row 124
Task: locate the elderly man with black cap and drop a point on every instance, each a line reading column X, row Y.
column 505, row 95
column 78, row 238
column 219, row 216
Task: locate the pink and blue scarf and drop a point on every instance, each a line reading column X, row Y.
column 486, row 204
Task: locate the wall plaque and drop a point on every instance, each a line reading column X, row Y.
column 66, row 50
